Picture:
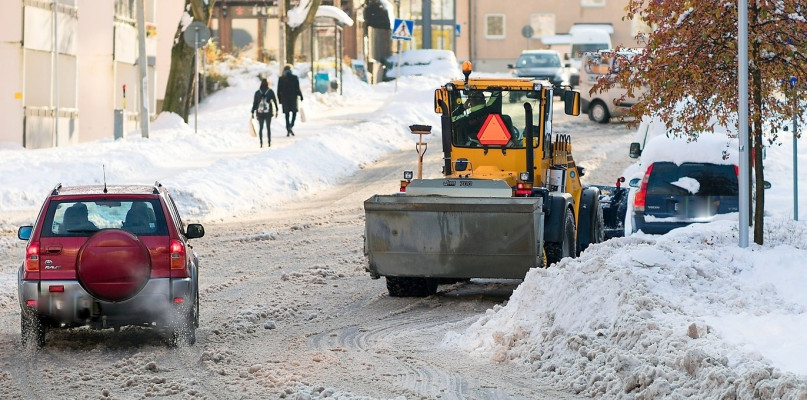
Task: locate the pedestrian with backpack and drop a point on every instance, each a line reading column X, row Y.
column 264, row 106
column 288, row 89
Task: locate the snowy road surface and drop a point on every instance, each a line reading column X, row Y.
column 288, row 310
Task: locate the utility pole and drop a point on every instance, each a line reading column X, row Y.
column 143, row 74
column 281, row 4
column 54, row 82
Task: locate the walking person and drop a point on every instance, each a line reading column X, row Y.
column 264, row 106
column 288, row 88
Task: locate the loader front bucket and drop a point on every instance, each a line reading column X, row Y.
column 453, row 237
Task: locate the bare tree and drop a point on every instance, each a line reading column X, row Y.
column 179, row 89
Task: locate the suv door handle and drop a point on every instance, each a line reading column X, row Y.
column 54, row 249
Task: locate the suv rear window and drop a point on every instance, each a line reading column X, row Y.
column 700, row 179
column 141, row 217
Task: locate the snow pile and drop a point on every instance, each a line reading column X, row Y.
column 660, row 316
column 213, row 167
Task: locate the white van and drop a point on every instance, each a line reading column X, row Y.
column 584, row 39
column 600, row 107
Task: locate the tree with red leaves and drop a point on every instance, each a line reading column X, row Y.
column 689, row 68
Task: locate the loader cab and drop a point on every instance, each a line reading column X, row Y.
column 485, row 136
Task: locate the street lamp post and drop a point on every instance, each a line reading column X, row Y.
column 742, row 119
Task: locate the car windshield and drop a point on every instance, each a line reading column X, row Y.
column 83, row 218
column 495, row 112
column 698, row 179
column 538, row 61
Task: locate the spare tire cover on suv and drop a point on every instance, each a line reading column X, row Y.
column 113, row 265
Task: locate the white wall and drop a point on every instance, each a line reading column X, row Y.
column 11, row 102
column 95, row 96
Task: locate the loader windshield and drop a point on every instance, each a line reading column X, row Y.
column 482, row 118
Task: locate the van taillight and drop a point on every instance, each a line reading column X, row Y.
column 640, row 199
column 32, row 257
column 737, row 171
column 177, row 251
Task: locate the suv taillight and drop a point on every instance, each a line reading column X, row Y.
column 640, row 199
column 32, row 257
column 177, row 252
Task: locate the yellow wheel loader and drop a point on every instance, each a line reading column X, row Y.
column 510, row 199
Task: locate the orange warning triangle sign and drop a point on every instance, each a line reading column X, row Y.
column 493, row 131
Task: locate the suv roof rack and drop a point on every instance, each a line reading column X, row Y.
column 56, row 188
column 157, row 186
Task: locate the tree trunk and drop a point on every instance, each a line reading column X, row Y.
column 759, row 204
column 293, row 33
column 179, row 87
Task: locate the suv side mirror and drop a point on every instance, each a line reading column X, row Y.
column 635, row 150
column 634, row 182
column 511, row 66
column 24, row 232
column 195, row 231
column 766, row 185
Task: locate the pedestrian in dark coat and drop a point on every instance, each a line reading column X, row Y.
column 264, row 106
column 288, row 88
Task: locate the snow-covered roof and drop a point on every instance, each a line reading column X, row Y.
column 582, row 27
column 549, row 40
column 335, row 13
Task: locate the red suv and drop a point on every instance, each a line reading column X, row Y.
column 107, row 257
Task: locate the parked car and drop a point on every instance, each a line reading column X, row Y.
column 542, row 64
column 421, row 62
column 601, row 107
column 680, row 183
column 108, row 257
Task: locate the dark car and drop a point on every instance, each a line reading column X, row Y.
column 108, row 257
column 673, row 195
column 542, row 65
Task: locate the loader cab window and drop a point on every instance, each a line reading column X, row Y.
column 470, row 109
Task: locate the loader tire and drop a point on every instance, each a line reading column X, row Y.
column 399, row 286
column 568, row 248
column 593, row 226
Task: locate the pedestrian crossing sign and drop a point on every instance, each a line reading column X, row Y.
column 402, row 29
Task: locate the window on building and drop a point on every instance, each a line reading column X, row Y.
column 542, row 24
column 125, row 9
column 592, row 3
column 494, row 26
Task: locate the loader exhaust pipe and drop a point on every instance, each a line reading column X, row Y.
column 445, row 123
column 529, row 136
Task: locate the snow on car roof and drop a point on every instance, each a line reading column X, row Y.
column 710, row 147
column 717, row 146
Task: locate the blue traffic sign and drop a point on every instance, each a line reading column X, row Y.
column 402, row 29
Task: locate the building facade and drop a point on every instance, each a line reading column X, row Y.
column 492, row 33
column 66, row 63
